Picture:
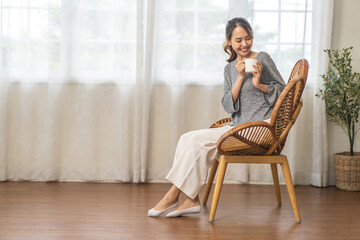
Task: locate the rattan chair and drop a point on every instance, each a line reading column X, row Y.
column 261, row 142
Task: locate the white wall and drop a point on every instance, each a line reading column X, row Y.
column 345, row 33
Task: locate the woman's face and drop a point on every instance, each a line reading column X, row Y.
column 241, row 42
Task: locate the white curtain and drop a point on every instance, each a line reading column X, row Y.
column 307, row 145
column 102, row 90
column 75, row 90
column 322, row 26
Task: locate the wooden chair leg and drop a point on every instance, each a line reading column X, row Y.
column 218, row 186
column 275, row 176
column 209, row 184
column 291, row 190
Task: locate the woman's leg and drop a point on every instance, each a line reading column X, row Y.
column 194, row 155
column 170, row 198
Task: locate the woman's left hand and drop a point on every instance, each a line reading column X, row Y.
column 257, row 74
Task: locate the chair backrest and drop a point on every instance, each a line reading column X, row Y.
column 288, row 105
column 300, row 68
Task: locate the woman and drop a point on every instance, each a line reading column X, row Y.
column 247, row 97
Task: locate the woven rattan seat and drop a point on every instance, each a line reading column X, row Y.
column 261, row 142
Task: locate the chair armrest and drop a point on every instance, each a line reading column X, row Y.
column 252, row 138
column 221, row 123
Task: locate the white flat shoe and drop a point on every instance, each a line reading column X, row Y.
column 154, row 213
column 192, row 210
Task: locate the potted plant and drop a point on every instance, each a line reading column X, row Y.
column 341, row 92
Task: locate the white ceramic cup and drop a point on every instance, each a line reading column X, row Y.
column 249, row 62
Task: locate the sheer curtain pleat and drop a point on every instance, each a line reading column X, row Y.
column 320, row 172
column 143, row 88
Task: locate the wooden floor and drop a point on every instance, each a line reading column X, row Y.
column 37, row 210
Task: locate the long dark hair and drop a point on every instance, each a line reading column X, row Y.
column 230, row 26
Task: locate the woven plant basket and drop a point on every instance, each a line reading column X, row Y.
column 347, row 171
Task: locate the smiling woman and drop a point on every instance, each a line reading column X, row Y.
column 246, row 96
column 241, row 40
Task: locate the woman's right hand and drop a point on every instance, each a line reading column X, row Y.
column 241, row 68
column 235, row 91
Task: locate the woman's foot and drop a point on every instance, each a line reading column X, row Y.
column 169, row 201
column 154, row 213
column 165, row 203
column 170, row 198
column 189, row 206
column 188, row 203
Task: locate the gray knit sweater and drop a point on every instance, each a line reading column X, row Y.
column 252, row 104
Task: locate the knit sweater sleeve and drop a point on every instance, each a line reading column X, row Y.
column 227, row 100
column 273, row 80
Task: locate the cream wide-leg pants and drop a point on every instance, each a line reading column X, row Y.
column 194, row 155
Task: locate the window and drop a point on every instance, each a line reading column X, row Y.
column 82, row 41
column 31, row 37
column 105, row 45
column 190, row 36
column 282, row 29
column 95, row 40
